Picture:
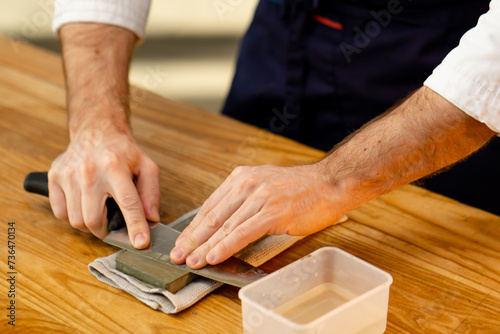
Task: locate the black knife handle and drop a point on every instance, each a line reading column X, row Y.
column 38, row 183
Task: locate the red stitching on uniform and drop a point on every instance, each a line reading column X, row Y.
column 328, row 22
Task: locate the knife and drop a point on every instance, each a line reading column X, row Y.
column 232, row 271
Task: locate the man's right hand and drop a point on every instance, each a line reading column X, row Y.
column 102, row 160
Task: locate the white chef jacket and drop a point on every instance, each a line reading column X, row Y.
column 469, row 76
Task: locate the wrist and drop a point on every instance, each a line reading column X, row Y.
column 99, row 124
column 346, row 185
column 333, row 186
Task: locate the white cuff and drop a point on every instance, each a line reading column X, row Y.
column 474, row 98
column 128, row 14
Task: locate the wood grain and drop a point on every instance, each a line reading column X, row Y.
column 444, row 256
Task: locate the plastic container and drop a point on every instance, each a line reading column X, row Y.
column 328, row 291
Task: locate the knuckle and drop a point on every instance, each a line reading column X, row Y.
column 76, row 223
column 241, row 232
column 237, row 170
column 223, row 246
column 87, row 173
column 93, row 222
column 240, row 170
column 110, row 160
column 155, row 196
column 53, row 180
column 67, row 175
column 227, row 227
column 205, row 248
column 129, row 201
column 211, row 219
column 205, row 208
column 265, row 191
column 52, row 175
column 135, row 225
column 87, row 169
column 249, row 181
column 60, row 213
column 188, row 230
column 153, row 168
column 192, row 241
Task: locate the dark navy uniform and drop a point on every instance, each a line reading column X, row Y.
column 316, row 70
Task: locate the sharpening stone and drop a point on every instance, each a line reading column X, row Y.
column 153, row 272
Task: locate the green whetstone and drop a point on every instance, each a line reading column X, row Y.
column 153, row 272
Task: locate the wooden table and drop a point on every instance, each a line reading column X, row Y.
column 444, row 256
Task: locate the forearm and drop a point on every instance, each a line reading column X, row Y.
column 96, row 62
column 422, row 135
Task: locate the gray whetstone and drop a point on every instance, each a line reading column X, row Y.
column 153, row 272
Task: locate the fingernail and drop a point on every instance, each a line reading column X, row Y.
column 140, row 241
column 211, row 257
column 177, row 253
column 155, row 213
column 193, row 259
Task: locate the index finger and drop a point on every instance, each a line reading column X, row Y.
column 126, row 196
column 213, row 213
column 206, row 209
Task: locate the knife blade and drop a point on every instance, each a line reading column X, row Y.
column 232, row 271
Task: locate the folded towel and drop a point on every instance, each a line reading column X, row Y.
column 159, row 299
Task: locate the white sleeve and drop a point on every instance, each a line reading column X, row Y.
column 469, row 76
column 129, row 14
